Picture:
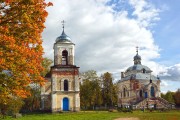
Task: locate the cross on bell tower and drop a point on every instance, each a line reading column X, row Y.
column 63, row 23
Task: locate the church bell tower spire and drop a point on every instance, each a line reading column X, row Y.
column 63, row 49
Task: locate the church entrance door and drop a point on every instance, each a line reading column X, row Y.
column 152, row 92
column 65, row 104
column 145, row 95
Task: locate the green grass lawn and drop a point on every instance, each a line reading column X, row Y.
column 102, row 115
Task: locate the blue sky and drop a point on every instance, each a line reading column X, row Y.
column 167, row 32
column 106, row 33
column 167, row 36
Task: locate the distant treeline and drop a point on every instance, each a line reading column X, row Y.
column 173, row 97
column 97, row 92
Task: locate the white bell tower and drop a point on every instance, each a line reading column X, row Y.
column 64, row 76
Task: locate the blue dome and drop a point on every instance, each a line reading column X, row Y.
column 63, row 38
column 138, row 67
column 137, row 57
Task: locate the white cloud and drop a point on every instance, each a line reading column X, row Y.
column 164, row 86
column 145, row 12
column 105, row 39
column 172, row 73
column 164, row 83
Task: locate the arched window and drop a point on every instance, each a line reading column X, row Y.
column 64, row 57
column 140, row 93
column 152, row 91
column 65, row 85
column 144, row 71
column 124, row 92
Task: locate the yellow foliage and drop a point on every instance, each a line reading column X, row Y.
column 21, row 49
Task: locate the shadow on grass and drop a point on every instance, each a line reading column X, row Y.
column 38, row 112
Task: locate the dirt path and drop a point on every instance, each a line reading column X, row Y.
column 132, row 118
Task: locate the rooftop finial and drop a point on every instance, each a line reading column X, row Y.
column 137, row 50
column 63, row 22
column 137, row 58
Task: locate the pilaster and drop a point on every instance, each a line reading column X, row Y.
column 62, row 85
column 76, row 83
column 53, row 104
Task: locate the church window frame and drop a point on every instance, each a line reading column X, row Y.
column 66, row 85
column 124, row 92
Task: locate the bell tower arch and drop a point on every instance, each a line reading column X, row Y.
column 64, row 57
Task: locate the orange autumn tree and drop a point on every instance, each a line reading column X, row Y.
column 21, row 25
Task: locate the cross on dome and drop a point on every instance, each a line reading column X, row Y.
column 137, row 50
column 63, row 22
column 63, row 38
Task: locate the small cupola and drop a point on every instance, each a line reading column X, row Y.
column 63, row 50
column 63, row 38
column 137, row 58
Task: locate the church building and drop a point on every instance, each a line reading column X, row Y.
column 138, row 88
column 61, row 91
